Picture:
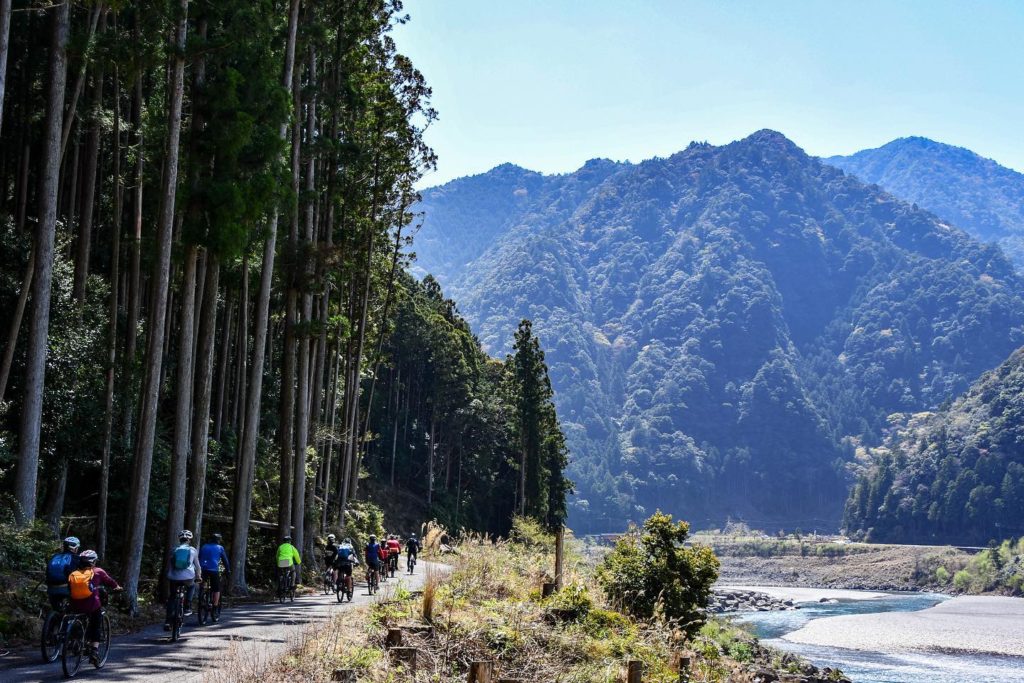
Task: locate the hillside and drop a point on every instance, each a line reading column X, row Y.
column 718, row 321
column 956, row 475
column 975, row 193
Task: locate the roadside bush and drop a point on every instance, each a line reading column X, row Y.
column 652, row 573
column 28, row 549
column 941, row 576
column 573, row 602
column 962, row 580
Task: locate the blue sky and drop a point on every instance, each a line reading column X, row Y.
column 548, row 85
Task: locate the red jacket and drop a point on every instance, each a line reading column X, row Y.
column 394, row 546
column 92, row 603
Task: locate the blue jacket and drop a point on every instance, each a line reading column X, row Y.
column 210, row 556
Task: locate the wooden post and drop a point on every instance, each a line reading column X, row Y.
column 634, row 671
column 547, row 590
column 344, row 675
column 406, row 656
column 480, row 672
column 559, row 556
column 681, row 665
column 394, row 638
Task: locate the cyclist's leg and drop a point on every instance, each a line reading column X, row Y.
column 92, row 629
column 214, row 578
column 172, row 600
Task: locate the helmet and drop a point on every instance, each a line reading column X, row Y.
column 347, row 541
column 218, row 538
column 88, row 557
column 331, row 537
column 184, row 535
column 287, row 539
column 413, row 536
column 71, row 543
column 373, row 538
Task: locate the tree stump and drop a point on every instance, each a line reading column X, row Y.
column 548, row 589
column 420, row 630
column 634, row 671
column 344, row 675
column 405, row 656
column 394, row 638
column 681, row 665
column 480, row 672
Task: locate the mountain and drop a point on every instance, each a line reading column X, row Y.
column 974, row 193
column 718, row 322
column 955, row 476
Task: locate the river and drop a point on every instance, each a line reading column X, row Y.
column 898, row 660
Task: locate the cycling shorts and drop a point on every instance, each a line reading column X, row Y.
column 214, row 578
column 345, row 568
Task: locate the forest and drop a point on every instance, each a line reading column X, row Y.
column 207, row 218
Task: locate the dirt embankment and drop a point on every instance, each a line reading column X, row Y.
column 862, row 567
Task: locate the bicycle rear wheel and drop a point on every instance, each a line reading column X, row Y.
column 49, row 642
column 74, row 648
column 204, row 610
column 176, row 619
column 104, row 648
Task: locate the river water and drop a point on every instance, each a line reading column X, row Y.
column 882, row 667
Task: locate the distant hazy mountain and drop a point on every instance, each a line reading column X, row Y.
column 974, row 193
column 956, row 476
column 718, row 321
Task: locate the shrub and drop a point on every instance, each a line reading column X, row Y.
column 652, row 572
column 573, row 601
column 962, row 580
column 942, row 576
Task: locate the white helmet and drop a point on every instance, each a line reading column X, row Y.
column 330, row 537
column 88, row 557
column 184, row 535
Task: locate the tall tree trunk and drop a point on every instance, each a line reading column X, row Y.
column 183, row 398
column 243, row 349
column 134, row 278
column 19, row 312
column 76, row 92
column 204, row 386
column 92, row 156
column 394, row 430
column 35, row 358
column 115, row 276
column 5, row 43
column 247, row 462
column 55, row 493
column 138, row 507
column 302, row 417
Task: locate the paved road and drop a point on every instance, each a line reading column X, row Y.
column 267, row 629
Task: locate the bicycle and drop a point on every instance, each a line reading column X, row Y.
column 52, row 638
column 372, row 580
column 392, row 564
column 327, row 576
column 204, row 606
column 343, row 587
column 75, row 645
column 178, row 614
column 285, row 585
column 410, row 563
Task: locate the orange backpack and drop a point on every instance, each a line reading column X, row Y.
column 80, row 584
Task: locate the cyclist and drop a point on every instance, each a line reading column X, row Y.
column 344, row 560
column 330, row 557
column 394, row 549
column 211, row 555
column 83, row 586
column 412, row 547
column 184, row 570
column 373, row 555
column 58, row 569
column 382, row 554
column 288, row 559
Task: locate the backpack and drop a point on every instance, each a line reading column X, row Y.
column 80, row 584
column 345, row 553
column 58, row 568
column 182, row 558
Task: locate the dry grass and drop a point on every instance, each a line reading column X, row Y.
column 430, row 586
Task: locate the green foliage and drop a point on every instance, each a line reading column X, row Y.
column 962, row 580
column 950, row 477
column 652, row 573
column 26, row 549
column 718, row 323
column 941, row 576
column 573, row 602
column 975, row 194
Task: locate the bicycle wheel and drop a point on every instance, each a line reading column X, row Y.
column 74, row 648
column 104, row 648
column 49, row 642
column 176, row 618
column 204, row 609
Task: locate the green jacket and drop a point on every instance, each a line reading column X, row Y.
column 287, row 555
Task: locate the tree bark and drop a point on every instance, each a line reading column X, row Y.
column 243, row 350
column 183, row 386
column 247, row 461
column 115, row 276
column 5, row 42
column 19, row 312
column 92, row 155
column 203, row 389
column 76, row 92
column 138, row 507
column 35, row 359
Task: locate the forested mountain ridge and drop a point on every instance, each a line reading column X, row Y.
column 719, row 320
column 975, row 193
column 956, row 475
